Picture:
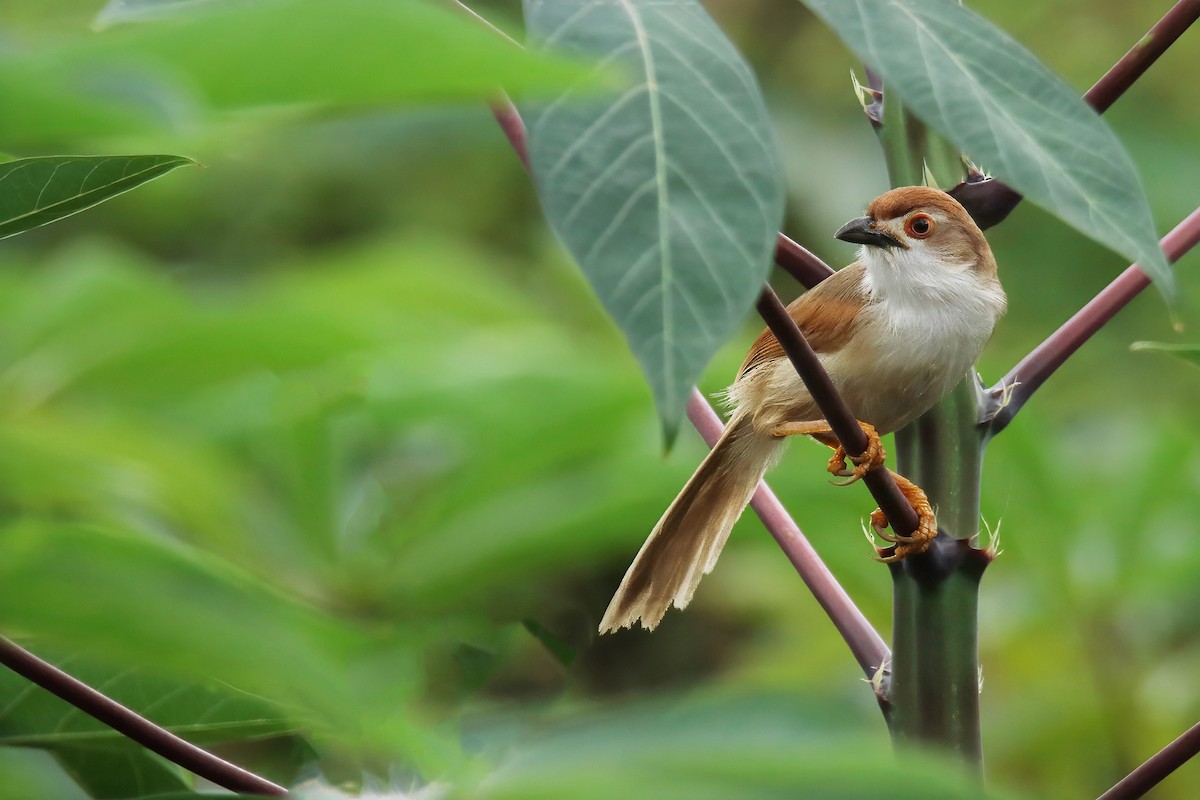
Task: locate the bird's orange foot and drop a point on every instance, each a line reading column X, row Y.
column 871, row 458
column 918, row 542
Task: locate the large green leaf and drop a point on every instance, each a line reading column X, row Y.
column 46, row 100
column 204, row 611
column 122, row 773
column 668, row 194
column 745, row 747
column 306, row 51
column 35, row 191
column 269, row 53
column 995, row 100
column 106, row 763
column 200, row 712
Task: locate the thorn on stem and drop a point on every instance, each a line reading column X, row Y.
column 870, row 99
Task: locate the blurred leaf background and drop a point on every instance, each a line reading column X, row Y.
column 332, row 430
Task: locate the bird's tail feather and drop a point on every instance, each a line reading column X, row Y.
column 686, row 542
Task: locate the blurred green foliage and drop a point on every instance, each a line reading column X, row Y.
column 331, row 433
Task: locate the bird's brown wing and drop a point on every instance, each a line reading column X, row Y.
column 826, row 315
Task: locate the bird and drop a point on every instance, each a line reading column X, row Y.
column 896, row 330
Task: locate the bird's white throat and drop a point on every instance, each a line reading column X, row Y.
column 943, row 293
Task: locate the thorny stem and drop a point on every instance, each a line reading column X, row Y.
column 864, row 641
column 1159, row 766
column 133, row 725
column 845, row 426
column 1014, row 390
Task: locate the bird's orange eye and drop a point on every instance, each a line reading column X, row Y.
column 919, row 226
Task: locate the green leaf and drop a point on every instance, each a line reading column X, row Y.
column 367, row 52
column 563, row 653
column 995, row 100
column 364, row 52
column 689, row 750
column 121, row 773
column 35, row 774
column 118, row 11
column 200, row 712
column 1188, row 352
column 116, row 572
column 236, row 55
column 668, row 195
column 106, row 763
column 54, row 102
column 35, row 191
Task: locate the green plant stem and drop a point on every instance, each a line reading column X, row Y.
column 934, row 682
column 934, row 688
column 911, row 150
column 943, row 452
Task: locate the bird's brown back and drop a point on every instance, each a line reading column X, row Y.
column 826, row 315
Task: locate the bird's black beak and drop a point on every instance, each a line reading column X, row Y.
column 863, row 231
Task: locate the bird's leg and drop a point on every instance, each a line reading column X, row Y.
column 919, row 541
column 870, row 458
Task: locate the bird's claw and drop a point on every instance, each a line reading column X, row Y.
column 850, row 478
column 918, row 541
column 871, row 458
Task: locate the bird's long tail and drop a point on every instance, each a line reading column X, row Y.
column 686, row 542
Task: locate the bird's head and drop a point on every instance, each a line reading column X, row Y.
column 915, row 228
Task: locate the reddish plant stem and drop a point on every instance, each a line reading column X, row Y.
column 133, row 725
column 510, row 122
column 864, row 641
column 880, row 482
column 800, row 263
column 1139, row 58
column 1024, row 379
column 1159, row 766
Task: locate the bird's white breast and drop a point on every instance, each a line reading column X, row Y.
column 924, row 326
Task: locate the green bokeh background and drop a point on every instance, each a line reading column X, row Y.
column 334, row 422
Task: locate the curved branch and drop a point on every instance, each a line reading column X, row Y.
column 135, row 726
column 1159, row 766
column 1015, row 389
